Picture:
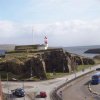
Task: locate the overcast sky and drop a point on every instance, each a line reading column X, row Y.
column 64, row 22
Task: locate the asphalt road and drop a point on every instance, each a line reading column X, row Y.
column 12, row 86
column 79, row 90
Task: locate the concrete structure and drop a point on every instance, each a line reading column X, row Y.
column 41, row 47
column 30, row 47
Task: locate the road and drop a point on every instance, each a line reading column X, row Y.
column 79, row 90
column 7, row 87
column 36, row 87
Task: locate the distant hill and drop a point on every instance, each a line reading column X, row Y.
column 7, row 47
column 79, row 50
column 93, row 51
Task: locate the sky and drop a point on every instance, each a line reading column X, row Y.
column 64, row 22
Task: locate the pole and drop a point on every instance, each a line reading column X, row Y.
column 8, row 87
column 1, row 98
column 75, row 73
column 31, row 72
column 75, row 69
column 23, row 88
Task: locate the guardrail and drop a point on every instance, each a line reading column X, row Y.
column 55, row 96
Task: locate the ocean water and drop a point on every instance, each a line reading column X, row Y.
column 79, row 50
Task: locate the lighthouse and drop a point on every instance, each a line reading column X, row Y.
column 46, row 43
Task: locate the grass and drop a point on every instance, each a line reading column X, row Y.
column 3, row 75
column 82, row 67
column 97, row 61
column 55, row 75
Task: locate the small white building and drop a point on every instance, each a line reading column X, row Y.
column 41, row 47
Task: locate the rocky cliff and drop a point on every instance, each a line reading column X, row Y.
column 53, row 60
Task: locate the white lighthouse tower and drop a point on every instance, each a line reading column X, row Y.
column 46, row 43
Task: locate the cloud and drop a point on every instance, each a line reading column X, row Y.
column 6, row 27
column 67, row 33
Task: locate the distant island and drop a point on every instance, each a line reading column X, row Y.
column 93, row 51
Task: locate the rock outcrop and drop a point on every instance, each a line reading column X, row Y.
column 31, row 67
column 35, row 67
column 53, row 60
column 56, row 61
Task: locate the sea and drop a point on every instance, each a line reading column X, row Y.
column 79, row 50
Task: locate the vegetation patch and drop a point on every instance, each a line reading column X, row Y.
column 55, row 75
column 83, row 67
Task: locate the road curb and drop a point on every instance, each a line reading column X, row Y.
column 90, row 89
